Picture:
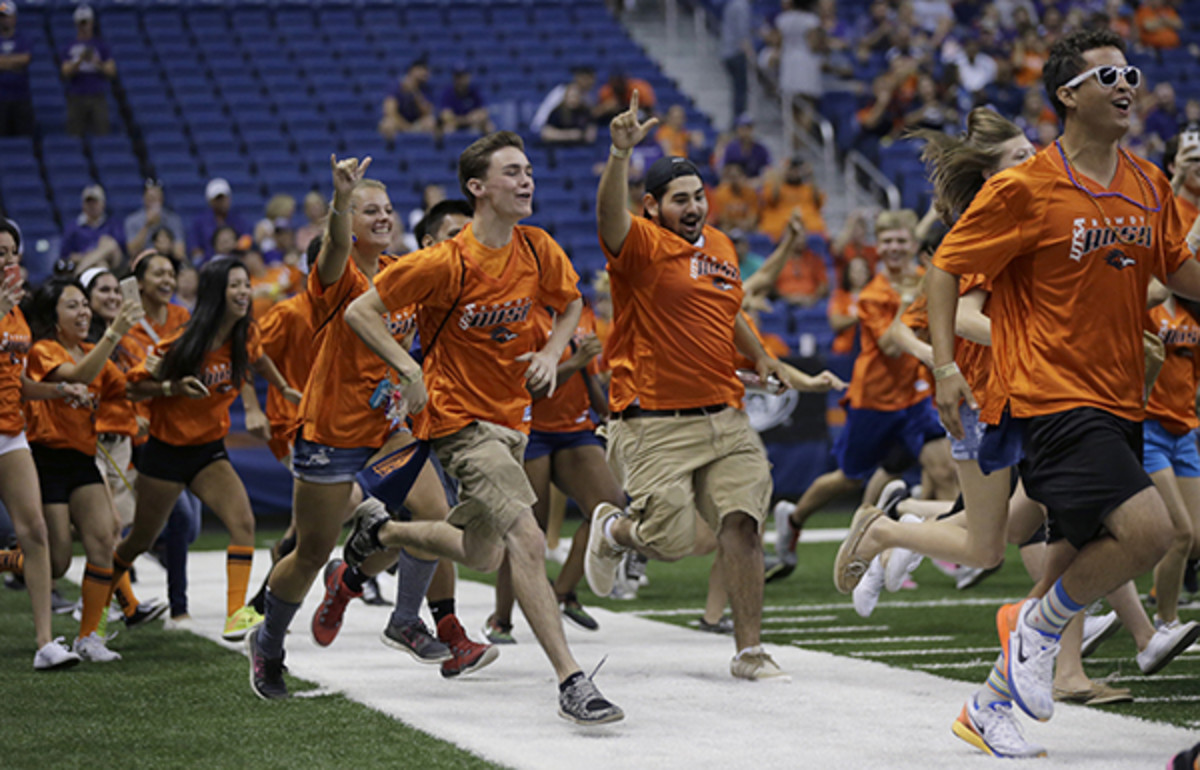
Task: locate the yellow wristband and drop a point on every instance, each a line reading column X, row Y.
column 947, row 370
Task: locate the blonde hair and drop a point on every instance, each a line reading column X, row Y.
column 365, row 184
column 901, row 219
column 281, row 205
column 959, row 165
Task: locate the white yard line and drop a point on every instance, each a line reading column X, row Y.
column 683, row 708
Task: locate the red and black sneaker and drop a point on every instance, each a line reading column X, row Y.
column 327, row 620
column 468, row 655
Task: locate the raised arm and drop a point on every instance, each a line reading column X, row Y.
column 612, row 216
column 763, row 280
column 89, row 367
column 332, row 261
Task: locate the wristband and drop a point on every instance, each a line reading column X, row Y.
column 946, row 370
column 112, row 336
column 617, row 152
column 166, row 386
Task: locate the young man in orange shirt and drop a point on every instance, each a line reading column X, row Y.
column 1070, row 240
column 474, row 294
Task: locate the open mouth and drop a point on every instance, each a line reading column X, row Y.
column 1123, row 104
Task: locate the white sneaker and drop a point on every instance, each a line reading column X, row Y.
column 784, row 531
column 559, row 553
column 181, row 623
column 1167, row 642
column 902, row 562
column 993, row 729
column 1031, row 655
column 1096, row 630
column 603, row 558
column 92, row 647
column 114, row 613
column 755, row 664
column 866, row 593
column 55, row 655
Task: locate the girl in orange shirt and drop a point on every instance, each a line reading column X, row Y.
column 843, row 304
column 63, row 441
column 201, row 371
column 18, row 477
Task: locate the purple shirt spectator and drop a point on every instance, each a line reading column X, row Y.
column 81, row 237
column 406, row 102
column 89, row 80
column 461, row 103
column 14, row 84
column 753, row 159
column 205, row 226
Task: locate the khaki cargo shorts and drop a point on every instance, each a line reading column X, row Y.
column 488, row 461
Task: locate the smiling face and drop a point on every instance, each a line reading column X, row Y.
column 237, row 294
column 683, row 208
column 106, row 297
column 158, row 282
column 507, row 189
column 896, row 247
column 74, row 315
column 374, row 219
column 1104, row 111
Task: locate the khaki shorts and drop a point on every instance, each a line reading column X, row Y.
column 674, row 467
column 120, row 449
column 488, row 461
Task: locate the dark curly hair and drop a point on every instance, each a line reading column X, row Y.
column 1066, row 60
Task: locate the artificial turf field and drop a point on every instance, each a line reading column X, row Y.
column 180, row 700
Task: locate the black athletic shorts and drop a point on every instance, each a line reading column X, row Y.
column 1082, row 464
column 160, row 460
column 62, row 471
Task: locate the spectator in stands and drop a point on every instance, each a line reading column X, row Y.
column 1158, row 25
column 930, row 111
column 571, row 122
column 1118, row 18
column 934, row 17
column 462, row 107
column 1053, row 25
column 269, row 283
column 874, row 30
column 164, row 241
column 791, row 190
column 843, row 304
column 224, row 242
column 583, row 77
column 87, row 66
column 141, row 224
column 314, row 214
column 674, row 136
column 431, row 195
column 285, row 251
column 409, row 108
column 804, row 280
column 614, row 96
column 746, row 151
column 187, row 283
column 1029, row 56
column 734, row 202
column 94, row 240
column 278, row 212
column 976, row 70
column 16, row 100
column 1035, row 112
column 1163, row 114
column 853, row 242
column 219, row 214
column 737, row 51
column 748, row 261
column 799, row 39
column 1004, row 94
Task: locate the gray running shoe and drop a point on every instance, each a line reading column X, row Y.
column 415, row 639
column 369, row 516
column 581, row 702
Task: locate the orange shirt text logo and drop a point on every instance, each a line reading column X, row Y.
column 703, row 265
column 479, row 317
column 1183, row 335
column 1088, row 235
column 216, row 375
column 401, row 323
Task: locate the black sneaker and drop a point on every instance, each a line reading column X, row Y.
column 369, row 516
column 633, row 568
column 779, row 568
column 573, row 611
column 415, row 639
column 1190, row 582
column 372, row 595
column 579, row 701
column 146, row 611
column 722, row 626
column 266, row 674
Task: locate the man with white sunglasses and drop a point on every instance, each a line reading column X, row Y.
column 1070, row 240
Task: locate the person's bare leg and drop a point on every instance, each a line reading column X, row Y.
column 557, row 514
column 583, row 475
column 875, row 484
column 21, row 495
column 1168, row 573
column 316, row 535
column 823, row 489
column 526, row 547
column 718, row 597
column 1132, row 613
column 937, row 463
column 740, row 554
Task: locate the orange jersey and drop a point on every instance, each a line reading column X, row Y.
column 1187, row 212
column 674, row 308
column 14, row 349
column 880, row 382
column 775, row 214
column 1173, row 399
column 567, row 410
column 843, row 302
column 482, row 300
column 1164, row 36
column 287, row 339
column 674, row 141
column 1068, row 293
column 733, row 206
column 803, row 275
column 182, row 421
column 137, row 344
column 68, row 424
column 336, row 408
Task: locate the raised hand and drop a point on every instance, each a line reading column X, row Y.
column 627, row 130
column 131, row 312
column 347, row 173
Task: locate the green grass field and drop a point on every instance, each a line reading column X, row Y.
column 187, row 698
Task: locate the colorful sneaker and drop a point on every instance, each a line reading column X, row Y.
column 1168, row 641
column 415, row 639
column 1096, row 630
column 266, row 674
column 573, row 611
column 579, row 701
column 372, row 595
column 755, row 664
column 239, row 624
column 93, row 648
column 145, row 612
column 54, row 656
column 327, row 620
column 849, row 567
column 722, row 626
column 369, row 516
column 603, row 558
column 866, row 593
column 786, row 537
column 496, row 632
column 1030, row 673
column 469, row 656
column 1006, row 623
column 993, row 730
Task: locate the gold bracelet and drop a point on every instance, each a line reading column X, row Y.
column 617, row 152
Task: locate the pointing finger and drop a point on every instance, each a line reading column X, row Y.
column 633, row 102
column 362, row 169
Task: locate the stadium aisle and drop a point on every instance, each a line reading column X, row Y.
column 683, row 709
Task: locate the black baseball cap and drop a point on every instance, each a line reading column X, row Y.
column 663, row 170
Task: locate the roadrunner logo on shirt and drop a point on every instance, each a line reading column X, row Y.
column 482, row 316
column 15, row 347
column 218, row 378
column 1089, row 234
column 400, row 324
column 1117, row 258
column 725, row 275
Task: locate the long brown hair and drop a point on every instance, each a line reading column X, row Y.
column 959, row 165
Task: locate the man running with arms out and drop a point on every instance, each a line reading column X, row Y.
column 1070, row 240
column 678, row 441
column 475, row 294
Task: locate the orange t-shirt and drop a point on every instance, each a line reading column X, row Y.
column 646, row 97
column 1068, row 298
column 287, row 278
column 804, row 275
column 674, row 308
column 567, row 410
column 880, row 382
column 674, row 141
column 64, row 424
column 843, row 302
column 137, row 344
column 287, row 339
column 1163, row 37
column 1187, row 213
column 14, row 348
column 471, row 372
column 775, row 214
column 182, row 421
column 735, row 206
column 1173, row 398
column 336, row 408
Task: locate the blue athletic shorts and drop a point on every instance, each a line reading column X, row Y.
column 321, row 464
column 968, row 447
column 1162, row 449
column 869, row 435
column 542, row 443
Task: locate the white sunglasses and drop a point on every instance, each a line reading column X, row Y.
column 1106, row 76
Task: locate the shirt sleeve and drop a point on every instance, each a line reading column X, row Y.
column 559, row 283
column 988, row 236
column 112, row 383
column 640, row 242
column 409, row 281
column 44, row 357
column 1172, row 233
column 254, row 346
column 273, row 330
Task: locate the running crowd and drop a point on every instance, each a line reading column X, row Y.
column 432, row 399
